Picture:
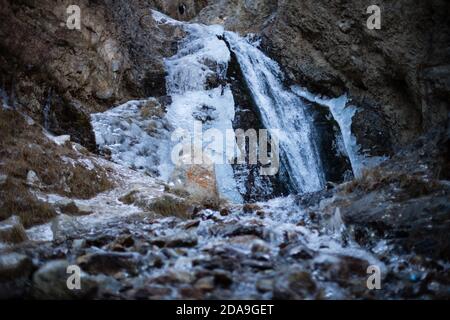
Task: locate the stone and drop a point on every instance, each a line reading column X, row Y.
column 108, row 263
column 12, row 231
column 71, row 208
column 50, row 282
column 14, row 265
column 243, row 230
column 150, row 292
column 15, row 270
column 223, row 278
column 294, row 284
column 64, row 227
column 177, row 240
column 205, row 284
column 191, row 224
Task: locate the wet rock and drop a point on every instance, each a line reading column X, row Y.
column 258, row 264
column 191, row 224
column 151, row 292
column 15, row 270
column 260, row 247
column 223, row 278
column 178, row 240
column 205, row 284
column 298, row 252
column 50, row 282
column 13, row 265
column 122, row 243
column 108, row 263
column 224, row 212
column 12, row 231
column 250, row 207
column 70, row 208
column 154, row 260
column 294, row 284
column 187, row 292
column 243, row 230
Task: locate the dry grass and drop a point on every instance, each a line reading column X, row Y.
column 152, row 108
column 23, row 148
column 168, row 206
column 16, row 199
column 200, row 198
column 176, row 203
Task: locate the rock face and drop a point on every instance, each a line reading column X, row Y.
column 59, row 75
column 238, row 15
column 396, row 75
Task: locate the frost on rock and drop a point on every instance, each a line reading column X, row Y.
column 133, row 139
column 343, row 114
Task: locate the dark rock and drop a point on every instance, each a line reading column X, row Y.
column 294, row 284
column 243, row 230
column 223, row 279
column 15, row 270
column 298, row 252
column 150, row 292
column 108, row 263
column 205, row 284
column 178, row 240
column 335, row 162
column 14, row 265
column 191, row 224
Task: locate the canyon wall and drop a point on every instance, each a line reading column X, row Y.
column 398, row 76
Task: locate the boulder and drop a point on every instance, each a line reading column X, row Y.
column 108, row 263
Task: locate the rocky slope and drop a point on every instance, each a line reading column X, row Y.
column 116, row 56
